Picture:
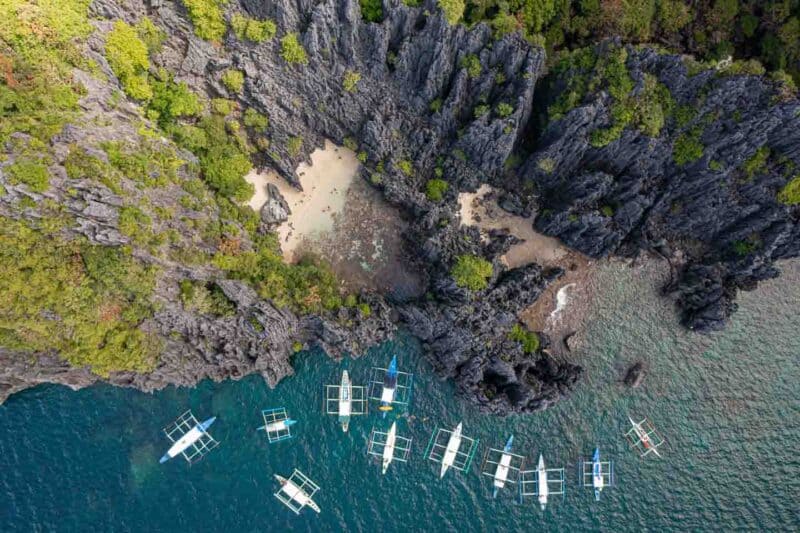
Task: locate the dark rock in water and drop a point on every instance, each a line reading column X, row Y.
column 635, row 374
column 275, row 210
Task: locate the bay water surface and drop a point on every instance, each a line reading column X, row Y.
column 728, row 405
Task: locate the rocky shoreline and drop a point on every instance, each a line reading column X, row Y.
column 406, row 63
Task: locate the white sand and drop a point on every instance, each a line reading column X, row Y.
column 477, row 210
column 325, row 184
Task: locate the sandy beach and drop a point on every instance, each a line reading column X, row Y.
column 314, row 209
column 560, row 308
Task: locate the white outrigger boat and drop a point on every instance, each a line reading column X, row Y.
column 453, row 444
column 502, row 466
column 189, row 438
column 277, row 424
column 644, row 438
column 596, row 474
column 345, row 400
column 389, row 446
column 542, row 483
column 297, row 492
column 448, row 453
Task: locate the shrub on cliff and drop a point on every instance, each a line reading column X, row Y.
column 528, row 339
column 790, row 194
column 453, row 10
column 171, row 100
column 233, row 80
column 128, row 57
column 350, row 81
column 472, row 272
column 687, row 147
column 435, row 189
column 32, row 173
column 371, row 10
column 292, row 51
column 207, row 18
column 252, row 29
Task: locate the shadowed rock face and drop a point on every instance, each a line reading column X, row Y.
column 411, row 64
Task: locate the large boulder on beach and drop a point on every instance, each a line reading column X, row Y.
column 275, row 210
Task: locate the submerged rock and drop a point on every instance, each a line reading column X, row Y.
column 635, row 375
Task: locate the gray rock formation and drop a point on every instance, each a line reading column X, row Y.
column 275, row 210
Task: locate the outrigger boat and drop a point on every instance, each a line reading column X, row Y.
column 597, row 474
column 297, row 492
column 345, row 401
column 453, row 444
column 445, row 448
column 502, row 466
column 389, row 387
column 275, row 427
column 542, row 482
column 194, row 440
column 388, row 449
column 389, row 446
column 501, row 474
column 643, row 437
column 277, row 424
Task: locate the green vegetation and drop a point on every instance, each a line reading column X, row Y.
column 292, row 51
column 171, row 100
column 743, row 248
column 472, row 272
column 757, row 163
column 453, row 10
column 233, row 80
column 436, row 105
column 480, row 110
column 258, row 31
column 607, row 211
column 294, row 145
column 205, row 299
column 86, row 302
column 151, row 35
column 32, row 173
column 546, row 165
column 254, row 119
column 709, row 29
column 528, row 339
column 135, row 224
column 371, row 10
column 307, row 287
column 790, row 193
column 222, row 106
column 207, row 18
column 688, row 147
column 350, row 81
column 472, row 64
column 405, row 166
column 435, row 189
column 504, row 110
column 127, row 56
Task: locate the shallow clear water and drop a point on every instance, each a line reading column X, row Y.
column 728, row 404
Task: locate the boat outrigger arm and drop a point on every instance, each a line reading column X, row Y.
column 295, row 496
column 187, row 440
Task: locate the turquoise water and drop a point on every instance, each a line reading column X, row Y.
column 729, row 406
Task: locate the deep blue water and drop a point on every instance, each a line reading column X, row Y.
column 728, row 404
